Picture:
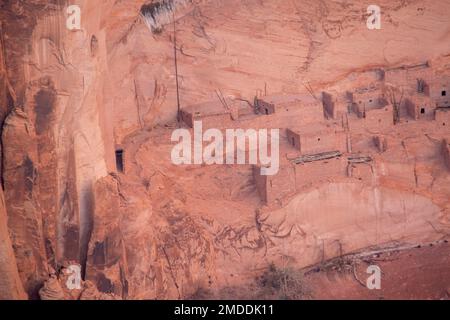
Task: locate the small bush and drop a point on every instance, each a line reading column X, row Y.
column 283, row 283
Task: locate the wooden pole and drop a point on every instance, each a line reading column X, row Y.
column 176, row 67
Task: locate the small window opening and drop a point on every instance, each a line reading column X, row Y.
column 422, row 110
column 318, row 139
column 119, row 160
column 444, row 93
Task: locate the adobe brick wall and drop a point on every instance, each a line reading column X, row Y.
column 380, row 143
column 322, row 141
column 306, row 112
column 377, row 120
column 412, row 110
column 406, row 78
column 380, row 118
column 442, row 117
column 276, row 187
column 265, row 107
column 310, row 113
column 446, row 153
column 334, row 105
column 216, row 121
column 187, row 118
column 208, row 121
column 415, row 103
column 327, row 141
column 329, row 105
column 358, row 110
column 399, row 172
column 261, row 183
column 437, row 87
column 360, row 171
column 293, row 178
column 311, row 173
column 281, row 185
column 293, row 139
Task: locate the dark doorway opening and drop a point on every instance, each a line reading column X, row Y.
column 444, row 93
column 119, row 160
column 267, row 111
column 422, row 110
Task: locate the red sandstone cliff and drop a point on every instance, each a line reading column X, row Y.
column 68, row 99
column 10, row 285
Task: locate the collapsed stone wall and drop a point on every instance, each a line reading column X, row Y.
column 446, row 153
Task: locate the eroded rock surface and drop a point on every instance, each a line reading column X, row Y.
column 70, row 98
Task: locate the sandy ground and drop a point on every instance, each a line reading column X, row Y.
column 419, row 273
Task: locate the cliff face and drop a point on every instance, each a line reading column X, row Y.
column 263, row 47
column 48, row 183
column 10, row 285
column 69, row 98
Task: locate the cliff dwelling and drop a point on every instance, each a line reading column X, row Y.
column 315, row 146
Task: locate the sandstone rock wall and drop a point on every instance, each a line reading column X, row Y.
column 262, row 47
column 67, row 98
column 10, row 284
column 53, row 146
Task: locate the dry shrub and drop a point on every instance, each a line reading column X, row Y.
column 283, row 283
